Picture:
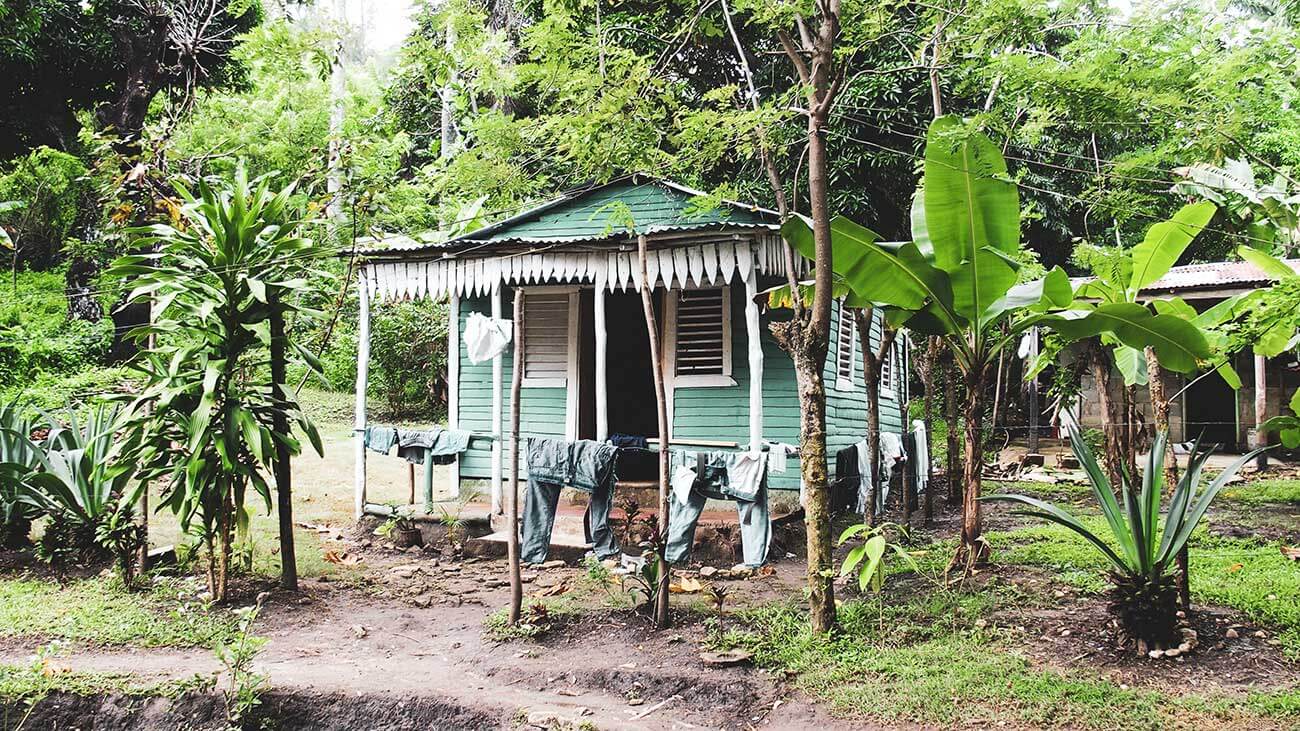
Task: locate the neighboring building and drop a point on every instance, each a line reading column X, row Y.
column 586, row 360
column 1209, row 407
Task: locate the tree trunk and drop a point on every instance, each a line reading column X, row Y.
column 972, row 549
column 283, row 472
column 1160, row 415
column 812, row 468
column 516, row 383
column 662, row 620
column 1112, row 412
column 954, row 423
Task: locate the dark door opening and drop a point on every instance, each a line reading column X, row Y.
column 1210, row 412
column 628, row 373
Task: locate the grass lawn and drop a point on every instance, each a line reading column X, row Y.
column 922, row 656
column 97, row 611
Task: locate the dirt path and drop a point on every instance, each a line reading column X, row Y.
column 377, row 646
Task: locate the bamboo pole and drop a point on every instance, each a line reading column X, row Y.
column 516, row 381
column 661, row 407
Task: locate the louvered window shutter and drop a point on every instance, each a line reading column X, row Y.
column 887, row 386
column 844, row 350
column 702, row 347
column 546, row 339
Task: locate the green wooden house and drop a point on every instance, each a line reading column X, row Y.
column 586, row 351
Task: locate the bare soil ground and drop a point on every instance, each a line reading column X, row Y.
column 393, row 639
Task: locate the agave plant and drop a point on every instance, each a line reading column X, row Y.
column 1142, row 545
column 18, row 459
column 89, row 498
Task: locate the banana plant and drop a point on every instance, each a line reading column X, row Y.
column 1142, row 542
column 1172, row 330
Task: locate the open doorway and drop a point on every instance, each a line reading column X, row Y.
column 628, row 372
column 1210, row 412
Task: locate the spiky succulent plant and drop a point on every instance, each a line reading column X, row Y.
column 1142, row 545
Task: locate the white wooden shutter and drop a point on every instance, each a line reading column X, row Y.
column 888, row 388
column 844, row 350
column 703, row 332
column 546, row 339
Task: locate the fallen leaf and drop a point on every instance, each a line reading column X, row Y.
column 1235, row 568
column 341, row 558
column 1291, row 552
column 686, row 585
column 767, row 571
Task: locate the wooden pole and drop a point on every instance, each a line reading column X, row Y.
column 283, row 467
column 602, row 378
column 363, row 376
column 1261, row 410
column 496, row 411
column 516, row 383
column 661, row 407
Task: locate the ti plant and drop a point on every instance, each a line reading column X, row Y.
column 1144, row 597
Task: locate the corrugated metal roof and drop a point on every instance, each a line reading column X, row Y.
column 1209, row 276
column 601, row 213
column 1233, row 274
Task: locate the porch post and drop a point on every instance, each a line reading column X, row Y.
column 754, row 335
column 1261, row 409
column 453, row 380
column 496, row 410
column 363, row 377
column 602, row 393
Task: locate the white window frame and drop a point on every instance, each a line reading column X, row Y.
column 845, row 382
column 723, row 380
column 889, row 379
column 571, row 345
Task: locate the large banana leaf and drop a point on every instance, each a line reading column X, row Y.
column 1179, row 344
column 972, row 214
column 1165, row 242
column 896, row 276
column 1272, row 266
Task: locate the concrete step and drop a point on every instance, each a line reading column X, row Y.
column 565, row 546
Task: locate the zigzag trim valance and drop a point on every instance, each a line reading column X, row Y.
column 694, row 264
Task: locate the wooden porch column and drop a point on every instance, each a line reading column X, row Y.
column 363, row 377
column 496, row 410
column 602, row 392
column 754, row 335
column 453, row 380
column 1261, row 409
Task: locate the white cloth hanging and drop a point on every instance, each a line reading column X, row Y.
column 891, row 452
column 921, row 461
column 486, row 337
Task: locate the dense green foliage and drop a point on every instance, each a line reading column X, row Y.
column 208, row 419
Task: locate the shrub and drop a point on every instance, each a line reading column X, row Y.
column 54, row 189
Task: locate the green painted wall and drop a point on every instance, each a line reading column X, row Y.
column 717, row 413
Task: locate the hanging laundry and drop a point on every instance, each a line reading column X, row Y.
column 777, row 456
column 486, row 337
column 381, row 439
column 892, row 453
column 737, row 476
column 442, row 445
column 921, row 457
column 552, row 465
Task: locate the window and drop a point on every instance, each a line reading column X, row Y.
column 546, row 339
column 844, row 335
column 888, row 373
column 703, row 338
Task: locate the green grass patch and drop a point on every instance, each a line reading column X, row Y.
column 30, row 683
column 98, row 612
column 1263, row 492
column 924, row 661
column 930, row 669
column 1245, row 574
